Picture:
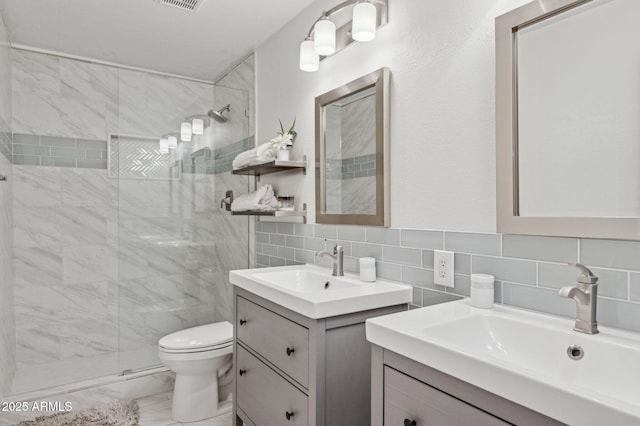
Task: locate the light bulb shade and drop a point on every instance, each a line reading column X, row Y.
column 197, row 126
column 363, row 27
column 173, row 142
column 164, row 146
column 324, row 37
column 309, row 59
column 185, row 131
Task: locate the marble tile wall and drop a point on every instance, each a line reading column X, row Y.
column 104, row 267
column 7, row 328
column 529, row 270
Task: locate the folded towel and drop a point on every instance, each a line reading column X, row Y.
column 262, row 154
column 261, row 200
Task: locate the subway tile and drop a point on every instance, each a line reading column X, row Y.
column 422, row 239
column 67, row 152
column 290, row 262
column 405, row 256
column 261, row 237
column 419, row 277
column 346, row 247
column 537, row 299
column 497, row 291
column 31, row 150
column 92, row 154
column 303, row 230
column 540, row 248
column 383, row 236
column 326, row 231
column 260, row 226
column 277, row 239
column 285, row 228
column 304, row 256
column 416, row 298
column 296, row 242
column 271, row 227
column 26, row 160
column 22, row 139
column 634, row 287
column 461, row 285
column 611, row 283
column 351, row 264
column 430, row 297
column 92, row 164
column 270, row 250
column 277, row 261
column 91, row 144
column 59, row 142
column 351, row 233
column 520, row 271
column 260, row 248
column 366, row 250
column 389, row 271
column 58, row 162
column 427, row 259
column 286, row 252
column 262, row 260
column 619, row 314
column 461, row 263
column 467, row 242
column 315, row 244
column 610, row 253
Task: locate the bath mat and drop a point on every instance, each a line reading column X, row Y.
column 119, row 413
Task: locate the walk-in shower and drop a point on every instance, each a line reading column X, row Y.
column 115, row 243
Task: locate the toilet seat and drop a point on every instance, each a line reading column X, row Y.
column 203, row 338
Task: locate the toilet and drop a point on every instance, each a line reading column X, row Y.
column 201, row 358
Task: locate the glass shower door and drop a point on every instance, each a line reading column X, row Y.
column 176, row 246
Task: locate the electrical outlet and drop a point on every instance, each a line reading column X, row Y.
column 443, row 268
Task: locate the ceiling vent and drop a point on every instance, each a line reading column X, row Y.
column 189, row 5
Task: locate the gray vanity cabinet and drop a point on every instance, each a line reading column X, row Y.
column 405, row 392
column 294, row 370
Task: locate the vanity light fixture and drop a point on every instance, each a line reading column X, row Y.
column 324, row 36
column 197, row 126
column 185, row 131
column 173, row 141
column 309, row 59
column 164, row 145
column 324, row 40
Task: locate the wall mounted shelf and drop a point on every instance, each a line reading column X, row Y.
column 274, row 166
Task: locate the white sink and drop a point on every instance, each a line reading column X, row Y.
column 305, row 281
column 522, row 356
column 304, row 289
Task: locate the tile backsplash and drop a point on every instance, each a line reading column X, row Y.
column 529, row 270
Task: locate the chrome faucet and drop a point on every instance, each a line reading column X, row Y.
column 337, row 256
column 585, row 293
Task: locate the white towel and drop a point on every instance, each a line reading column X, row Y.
column 262, row 154
column 261, row 200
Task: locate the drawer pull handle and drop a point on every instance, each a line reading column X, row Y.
column 242, row 372
column 290, row 351
column 289, row 414
column 408, row 422
column 243, row 322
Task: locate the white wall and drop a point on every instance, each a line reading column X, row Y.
column 441, row 56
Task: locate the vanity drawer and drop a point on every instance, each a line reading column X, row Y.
column 265, row 396
column 281, row 341
column 406, row 398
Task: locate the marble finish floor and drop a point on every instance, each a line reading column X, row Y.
column 155, row 410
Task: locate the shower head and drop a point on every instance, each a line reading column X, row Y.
column 217, row 115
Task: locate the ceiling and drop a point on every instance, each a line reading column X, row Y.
column 145, row 34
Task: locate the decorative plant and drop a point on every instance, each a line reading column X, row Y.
column 285, row 140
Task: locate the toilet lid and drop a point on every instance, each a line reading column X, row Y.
column 199, row 337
